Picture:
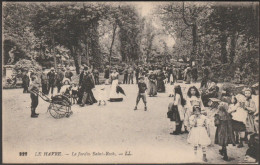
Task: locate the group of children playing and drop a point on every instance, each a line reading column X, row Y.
column 217, row 122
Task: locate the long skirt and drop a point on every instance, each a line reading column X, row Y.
column 160, row 86
column 152, row 89
column 113, row 95
column 250, row 125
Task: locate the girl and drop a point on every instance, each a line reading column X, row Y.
column 101, row 94
column 114, row 96
column 198, row 134
column 239, row 116
column 224, row 132
column 179, row 103
column 251, row 109
column 152, row 87
column 193, row 99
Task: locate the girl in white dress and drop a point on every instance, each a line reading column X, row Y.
column 198, row 134
column 114, row 96
column 192, row 99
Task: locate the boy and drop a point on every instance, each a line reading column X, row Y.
column 34, row 88
column 141, row 93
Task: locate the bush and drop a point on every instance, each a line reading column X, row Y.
column 27, row 64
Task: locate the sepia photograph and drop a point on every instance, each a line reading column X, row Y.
column 130, row 82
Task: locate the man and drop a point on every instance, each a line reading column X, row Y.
column 130, row 75
column 86, row 87
column 211, row 92
column 125, row 75
column 51, row 77
column 34, row 88
column 68, row 73
column 96, row 76
column 107, row 74
column 59, row 78
column 137, row 71
column 26, row 81
column 81, row 92
column 169, row 71
column 205, row 77
column 44, row 82
column 194, row 74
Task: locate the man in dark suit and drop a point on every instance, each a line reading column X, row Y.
column 51, row 77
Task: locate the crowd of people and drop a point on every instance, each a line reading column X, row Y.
column 200, row 111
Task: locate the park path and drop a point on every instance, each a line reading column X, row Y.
column 115, row 127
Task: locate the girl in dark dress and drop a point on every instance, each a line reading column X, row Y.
column 224, row 132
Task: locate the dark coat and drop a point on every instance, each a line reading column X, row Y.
column 106, row 74
column 26, row 81
column 224, row 132
column 51, row 77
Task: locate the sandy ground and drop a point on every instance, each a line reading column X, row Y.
column 115, row 128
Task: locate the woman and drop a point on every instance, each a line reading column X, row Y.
column 251, row 109
column 114, row 96
column 239, row 116
column 178, row 110
column 193, row 99
column 152, row 89
column 160, row 83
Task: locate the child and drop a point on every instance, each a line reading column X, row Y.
column 141, row 93
column 34, row 88
column 198, row 133
column 193, row 99
column 239, row 116
column 224, row 132
column 211, row 111
column 101, row 94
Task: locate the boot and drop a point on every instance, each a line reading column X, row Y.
column 135, row 108
column 240, row 143
column 145, row 108
column 225, row 155
column 33, row 115
column 205, row 158
column 35, row 112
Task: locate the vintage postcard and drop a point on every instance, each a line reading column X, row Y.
column 130, row 82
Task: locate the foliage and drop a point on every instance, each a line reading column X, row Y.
column 27, row 64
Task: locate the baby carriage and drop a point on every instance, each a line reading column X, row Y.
column 60, row 105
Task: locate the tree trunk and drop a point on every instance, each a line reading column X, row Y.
column 223, row 43
column 75, row 57
column 232, row 47
column 111, row 47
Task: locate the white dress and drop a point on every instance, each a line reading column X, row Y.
column 113, row 94
column 198, row 135
column 181, row 110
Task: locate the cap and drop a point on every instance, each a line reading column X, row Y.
column 52, row 68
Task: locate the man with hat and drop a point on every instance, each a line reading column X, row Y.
column 26, row 81
column 81, row 88
column 34, row 88
column 59, row 78
column 107, row 75
column 44, row 81
column 141, row 93
column 68, row 73
column 51, row 77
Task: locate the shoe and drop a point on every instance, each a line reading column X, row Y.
column 221, row 152
column 175, row 133
column 145, row 108
column 205, row 158
column 225, row 158
column 34, row 116
column 82, row 105
column 240, row 145
column 135, row 108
